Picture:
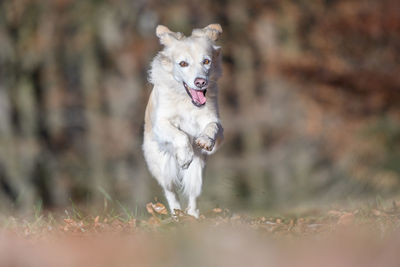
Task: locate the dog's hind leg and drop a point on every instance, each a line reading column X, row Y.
column 170, row 174
column 163, row 167
column 173, row 202
column 192, row 182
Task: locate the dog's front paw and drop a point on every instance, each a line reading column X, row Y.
column 184, row 157
column 205, row 142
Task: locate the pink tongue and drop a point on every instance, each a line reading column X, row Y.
column 198, row 96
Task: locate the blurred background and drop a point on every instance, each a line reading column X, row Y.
column 310, row 101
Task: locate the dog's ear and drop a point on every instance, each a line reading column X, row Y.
column 167, row 36
column 165, row 61
column 212, row 31
column 216, row 50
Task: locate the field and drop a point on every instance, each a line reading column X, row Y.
column 366, row 236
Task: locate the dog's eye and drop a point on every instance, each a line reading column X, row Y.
column 206, row 61
column 183, row 64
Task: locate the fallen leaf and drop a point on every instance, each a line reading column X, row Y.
column 346, row 218
column 179, row 213
column 159, row 208
column 376, row 212
column 149, row 208
column 335, row 213
column 154, row 221
column 69, row 221
column 217, row 210
column 132, row 223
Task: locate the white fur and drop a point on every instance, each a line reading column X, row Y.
column 178, row 133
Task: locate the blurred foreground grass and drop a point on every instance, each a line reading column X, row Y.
column 365, row 236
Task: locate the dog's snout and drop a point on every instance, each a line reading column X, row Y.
column 200, row 82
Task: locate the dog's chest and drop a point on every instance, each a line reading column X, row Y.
column 189, row 122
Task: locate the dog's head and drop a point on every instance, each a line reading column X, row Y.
column 193, row 60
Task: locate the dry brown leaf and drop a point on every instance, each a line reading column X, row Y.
column 132, row 223
column 178, row 214
column 346, row 218
column 69, row 221
column 149, row 208
column 159, row 208
column 335, row 213
column 153, row 221
column 376, row 212
column 217, row 210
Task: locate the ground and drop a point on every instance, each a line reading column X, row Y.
column 366, row 236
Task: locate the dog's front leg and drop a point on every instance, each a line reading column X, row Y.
column 212, row 134
column 168, row 133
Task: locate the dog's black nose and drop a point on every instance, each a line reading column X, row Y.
column 200, row 82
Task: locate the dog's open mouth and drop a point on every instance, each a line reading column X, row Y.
column 198, row 96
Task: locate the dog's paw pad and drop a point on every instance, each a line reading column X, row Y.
column 205, row 143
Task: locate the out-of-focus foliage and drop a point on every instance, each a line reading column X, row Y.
column 309, row 99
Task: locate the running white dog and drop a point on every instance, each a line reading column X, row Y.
column 182, row 124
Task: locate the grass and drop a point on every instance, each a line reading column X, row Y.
column 115, row 237
column 291, row 223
